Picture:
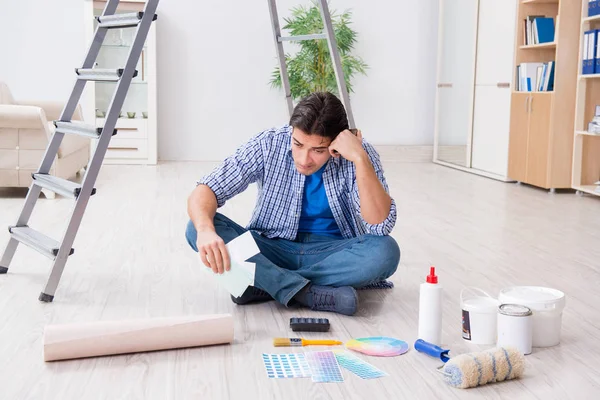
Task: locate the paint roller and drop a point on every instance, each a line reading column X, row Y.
column 101, row 338
column 479, row 368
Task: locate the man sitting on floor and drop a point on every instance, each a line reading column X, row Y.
column 323, row 214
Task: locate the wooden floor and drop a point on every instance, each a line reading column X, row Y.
column 131, row 261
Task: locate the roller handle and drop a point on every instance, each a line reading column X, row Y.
column 432, row 350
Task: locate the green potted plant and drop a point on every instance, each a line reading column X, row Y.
column 310, row 69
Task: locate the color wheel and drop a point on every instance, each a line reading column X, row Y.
column 378, row 346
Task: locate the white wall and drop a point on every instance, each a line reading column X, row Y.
column 219, row 86
column 215, row 63
column 33, row 36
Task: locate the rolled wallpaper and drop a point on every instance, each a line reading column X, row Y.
column 79, row 340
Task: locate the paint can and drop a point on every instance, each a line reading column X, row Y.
column 479, row 316
column 515, row 327
column 547, row 305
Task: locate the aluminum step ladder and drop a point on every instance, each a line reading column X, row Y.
column 59, row 251
column 329, row 34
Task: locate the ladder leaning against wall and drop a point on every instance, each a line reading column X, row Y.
column 59, row 251
column 21, row 232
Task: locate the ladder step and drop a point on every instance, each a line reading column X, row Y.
column 36, row 240
column 127, row 20
column 79, row 128
column 58, row 185
column 98, row 74
column 299, row 38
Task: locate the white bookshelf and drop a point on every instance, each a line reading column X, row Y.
column 586, row 145
column 541, row 123
column 549, row 45
column 136, row 138
column 586, row 133
column 589, row 189
column 540, row 1
column 591, row 19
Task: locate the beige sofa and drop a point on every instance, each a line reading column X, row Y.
column 25, row 129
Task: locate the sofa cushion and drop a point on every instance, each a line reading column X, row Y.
column 32, row 139
column 30, row 159
column 5, row 94
column 9, row 178
column 9, row 138
column 70, row 143
column 25, row 177
column 9, row 159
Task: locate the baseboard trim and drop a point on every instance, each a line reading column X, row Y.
column 476, row 171
column 389, row 153
column 409, row 154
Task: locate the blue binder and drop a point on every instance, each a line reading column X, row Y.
column 552, row 68
column 545, row 29
column 593, row 8
column 597, row 53
column 589, row 52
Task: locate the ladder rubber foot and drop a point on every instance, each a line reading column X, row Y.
column 3, row 270
column 46, row 298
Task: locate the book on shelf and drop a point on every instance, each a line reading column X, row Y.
column 535, row 77
column 538, row 29
column 590, row 63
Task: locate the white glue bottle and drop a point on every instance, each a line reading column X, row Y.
column 430, row 309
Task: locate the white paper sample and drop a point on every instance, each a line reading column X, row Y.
column 241, row 274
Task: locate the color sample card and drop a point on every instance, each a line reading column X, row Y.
column 241, row 273
column 357, row 366
column 324, row 367
column 291, row 365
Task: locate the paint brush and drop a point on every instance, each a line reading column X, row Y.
column 286, row 342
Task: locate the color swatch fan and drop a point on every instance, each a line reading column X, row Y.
column 378, row 346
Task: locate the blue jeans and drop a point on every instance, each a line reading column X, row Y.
column 284, row 267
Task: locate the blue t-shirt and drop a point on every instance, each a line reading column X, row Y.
column 316, row 214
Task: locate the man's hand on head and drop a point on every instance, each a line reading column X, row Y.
column 349, row 146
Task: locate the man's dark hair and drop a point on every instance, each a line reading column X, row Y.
column 320, row 113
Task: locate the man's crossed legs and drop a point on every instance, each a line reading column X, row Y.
column 319, row 272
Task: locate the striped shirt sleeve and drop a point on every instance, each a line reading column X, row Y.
column 237, row 171
column 385, row 227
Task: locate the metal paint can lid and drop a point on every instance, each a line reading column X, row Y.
column 514, row 310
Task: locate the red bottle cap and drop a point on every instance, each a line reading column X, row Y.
column 432, row 277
